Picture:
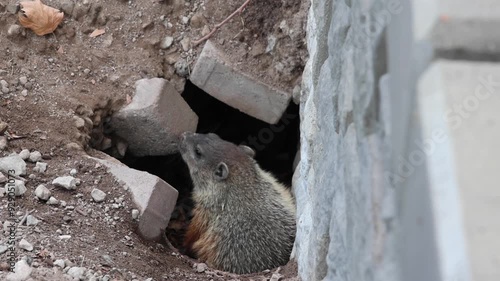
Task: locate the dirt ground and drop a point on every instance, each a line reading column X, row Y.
column 55, row 81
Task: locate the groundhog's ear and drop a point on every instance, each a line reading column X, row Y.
column 222, row 171
column 248, row 150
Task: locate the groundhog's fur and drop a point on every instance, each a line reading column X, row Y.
column 244, row 220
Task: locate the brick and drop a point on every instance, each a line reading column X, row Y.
column 214, row 74
column 155, row 199
column 153, row 121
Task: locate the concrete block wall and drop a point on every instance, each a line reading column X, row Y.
column 398, row 130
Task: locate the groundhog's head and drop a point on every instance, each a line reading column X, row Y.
column 211, row 159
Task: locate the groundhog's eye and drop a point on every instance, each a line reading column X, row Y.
column 197, row 151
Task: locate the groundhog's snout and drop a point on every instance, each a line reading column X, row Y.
column 182, row 140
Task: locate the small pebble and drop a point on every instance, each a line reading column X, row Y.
column 31, row 220
column 24, row 154
column 73, row 172
column 166, row 42
column 42, row 192
column 135, row 214
column 67, row 182
column 35, row 156
column 40, row 167
column 25, row 245
column 52, row 201
column 59, row 263
column 98, row 195
column 200, row 267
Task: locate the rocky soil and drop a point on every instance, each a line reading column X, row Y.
column 73, row 220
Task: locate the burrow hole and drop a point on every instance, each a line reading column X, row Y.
column 275, row 145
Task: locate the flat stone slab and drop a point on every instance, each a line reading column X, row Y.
column 155, row 199
column 214, row 74
column 153, row 121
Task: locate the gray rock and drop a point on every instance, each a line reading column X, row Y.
column 67, row 182
column 77, row 272
column 98, row 195
column 35, row 156
column 40, row 167
column 60, row 263
column 13, row 163
column 23, row 80
column 24, row 154
column 67, row 7
column 166, row 42
column 3, row 249
column 156, row 109
column 52, row 201
column 181, row 68
column 200, row 267
column 42, row 192
column 31, row 220
column 153, row 197
column 73, row 172
column 276, row 277
column 19, row 187
column 22, row 271
column 135, row 214
column 3, row 143
column 25, row 245
column 3, row 178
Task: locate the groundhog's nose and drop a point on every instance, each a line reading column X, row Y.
column 185, row 135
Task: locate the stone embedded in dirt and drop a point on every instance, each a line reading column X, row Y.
column 13, row 163
column 73, row 172
column 42, row 192
column 25, row 245
column 67, row 6
column 23, row 80
column 154, row 198
column 276, row 277
column 52, row 201
column 79, row 122
column 31, row 220
column 135, row 214
column 67, row 182
column 166, row 42
column 214, row 73
column 24, row 154
column 3, row 142
column 107, row 260
column 154, row 120
column 35, row 156
column 98, row 195
column 185, row 43
column 182, row 68
column 3, row 249
column 59, row 263
column 19, row 187
column 271, row 43
column 22, row 271
column 40, row 167
column 200, row 267
column 77, row 272
column 3, row 127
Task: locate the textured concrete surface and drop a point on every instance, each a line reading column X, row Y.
column 154, row 198
column 472, row 96
column 214, row 74
column 339, row 181
column 153, row 121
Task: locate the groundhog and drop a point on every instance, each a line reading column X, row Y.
column 243, row 218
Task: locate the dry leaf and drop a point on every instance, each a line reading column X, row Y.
column 97, row 32
column 38, row 17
